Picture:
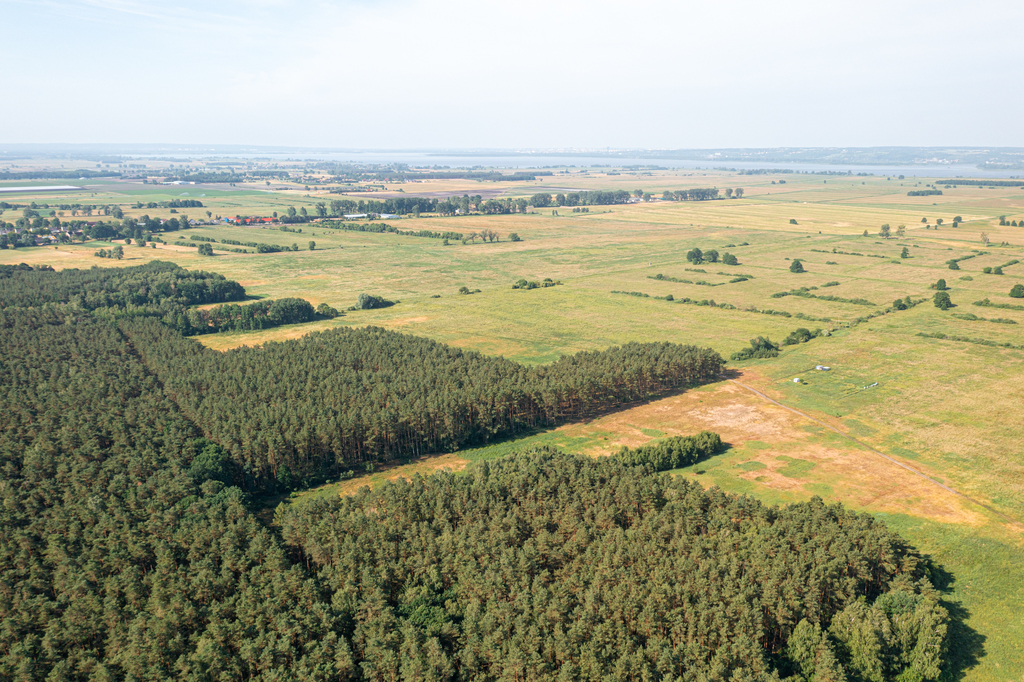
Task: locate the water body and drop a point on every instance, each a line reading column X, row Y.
column 421, row 159
column 40, row 188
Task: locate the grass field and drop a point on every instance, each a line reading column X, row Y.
column 948, row 408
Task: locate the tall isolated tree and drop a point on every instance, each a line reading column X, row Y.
column 796, row 266
column 884, row 231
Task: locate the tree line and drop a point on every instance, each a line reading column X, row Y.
column 672, row 453
column 382, row 228
column 696, row 194
column 253, row 316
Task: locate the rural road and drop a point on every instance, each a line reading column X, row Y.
column 1014, row 522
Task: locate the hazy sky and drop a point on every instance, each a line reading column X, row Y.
column 523, row 73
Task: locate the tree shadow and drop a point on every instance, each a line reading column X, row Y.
column 966, row 645
column 730, row 373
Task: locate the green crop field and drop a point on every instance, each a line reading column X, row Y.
column 947, row 407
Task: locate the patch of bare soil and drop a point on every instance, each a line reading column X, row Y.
column 733, row 413
column 855, row 475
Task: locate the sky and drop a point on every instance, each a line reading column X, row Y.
column 528, row 74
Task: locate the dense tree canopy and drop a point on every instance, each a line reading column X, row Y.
column 127, row 552
column 142, row 285
column 329, row 401
column 544, row 566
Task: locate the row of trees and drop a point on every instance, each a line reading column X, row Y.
column 697, row 194
column 233, row 317
column 381, row 228
column 696, row 256
column 672, row 453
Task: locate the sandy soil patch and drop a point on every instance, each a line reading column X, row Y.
column 792, row 458
column 730, row 411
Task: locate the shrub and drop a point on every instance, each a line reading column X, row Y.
column 792, row 221
column 940, row 285
column 905, row 253
column 324, row 310
column 942, row 301
column 369, row 302
column 953, row 265
column 730, row 259
column 515, row 237
column 290, row 311
column 760, row 348
column 1017, row 291
column 800, row 335
column 796, row 266
column 898, row 304
column 464, row 290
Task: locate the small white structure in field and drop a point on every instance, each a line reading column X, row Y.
column 796, row 381
column 822, row 368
